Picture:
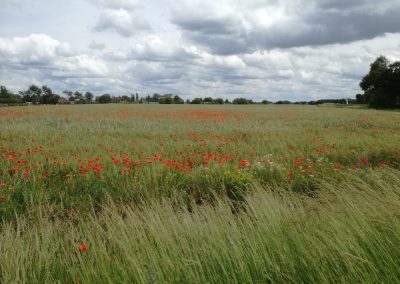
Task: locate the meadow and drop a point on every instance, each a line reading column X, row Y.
column 199, row 194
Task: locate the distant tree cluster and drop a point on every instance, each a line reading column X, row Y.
column 8, row 98
column 78, row 97
column 209, row 100
column 381, row 85
column 163, row 99
column 44, row 95
column 220, row 101
column 326, row 101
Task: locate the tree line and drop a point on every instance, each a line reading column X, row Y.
column 44, row 95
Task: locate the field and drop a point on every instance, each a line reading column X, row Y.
column 199, row 194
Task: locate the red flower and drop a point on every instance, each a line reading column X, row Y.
column 290, row 174
column 243, row 163
column 363, row 161
column 83, row 247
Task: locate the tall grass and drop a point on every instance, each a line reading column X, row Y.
column 349, row 233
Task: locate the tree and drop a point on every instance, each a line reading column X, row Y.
column 242, row 101
column 48, row 97
column 208, row 100
column 70, row 95
column 219, row 101
column 4, row 95
column 78, row 97
column 197, row 101
column 178, row 100
column 35, row 94
column 166, row 99
column 381, row 85
column 7, row 97
column 89, row 97
column 360, row 99
column 284, row 102
column 104, row 99
column 155, row 98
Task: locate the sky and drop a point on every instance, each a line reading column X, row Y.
column 259, row 49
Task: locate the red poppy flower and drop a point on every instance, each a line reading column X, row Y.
column 363, row 162
column 83, row 247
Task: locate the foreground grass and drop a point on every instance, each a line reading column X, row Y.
column 348, row 233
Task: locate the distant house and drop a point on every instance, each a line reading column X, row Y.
column 62, row 101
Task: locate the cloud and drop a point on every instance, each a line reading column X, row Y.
column 242, row 27
column 39, row 57
column 122, row 22
column 34, row 48
column 117, row 4
column 97, row 45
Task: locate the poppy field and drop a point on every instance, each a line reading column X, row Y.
column 199, row 194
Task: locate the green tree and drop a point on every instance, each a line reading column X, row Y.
column 4, row 95
column 70, row 95
column 166, row 99
column 155, row 98
column 178, row 100
column 208, row 100
column 218, row 101
column 89, row 97
column 7, row 97
column 35, row 94
column 381, row 84
column 78, row 96
column 104, row 99
column 242, row 101
column 48, row 97
column 197, row 101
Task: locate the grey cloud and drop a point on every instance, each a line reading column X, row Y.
column 319, row 25
column 43, row 59
column 116, row 4
column 340, row 4
column 168, row 55
column 97, row 45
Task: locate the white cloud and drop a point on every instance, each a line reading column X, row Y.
column 34, row 48
column 121, row 21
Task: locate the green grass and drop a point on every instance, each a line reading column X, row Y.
column 349, row 233
column 305, row 195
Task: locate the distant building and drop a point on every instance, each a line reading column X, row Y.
column 62, row 101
